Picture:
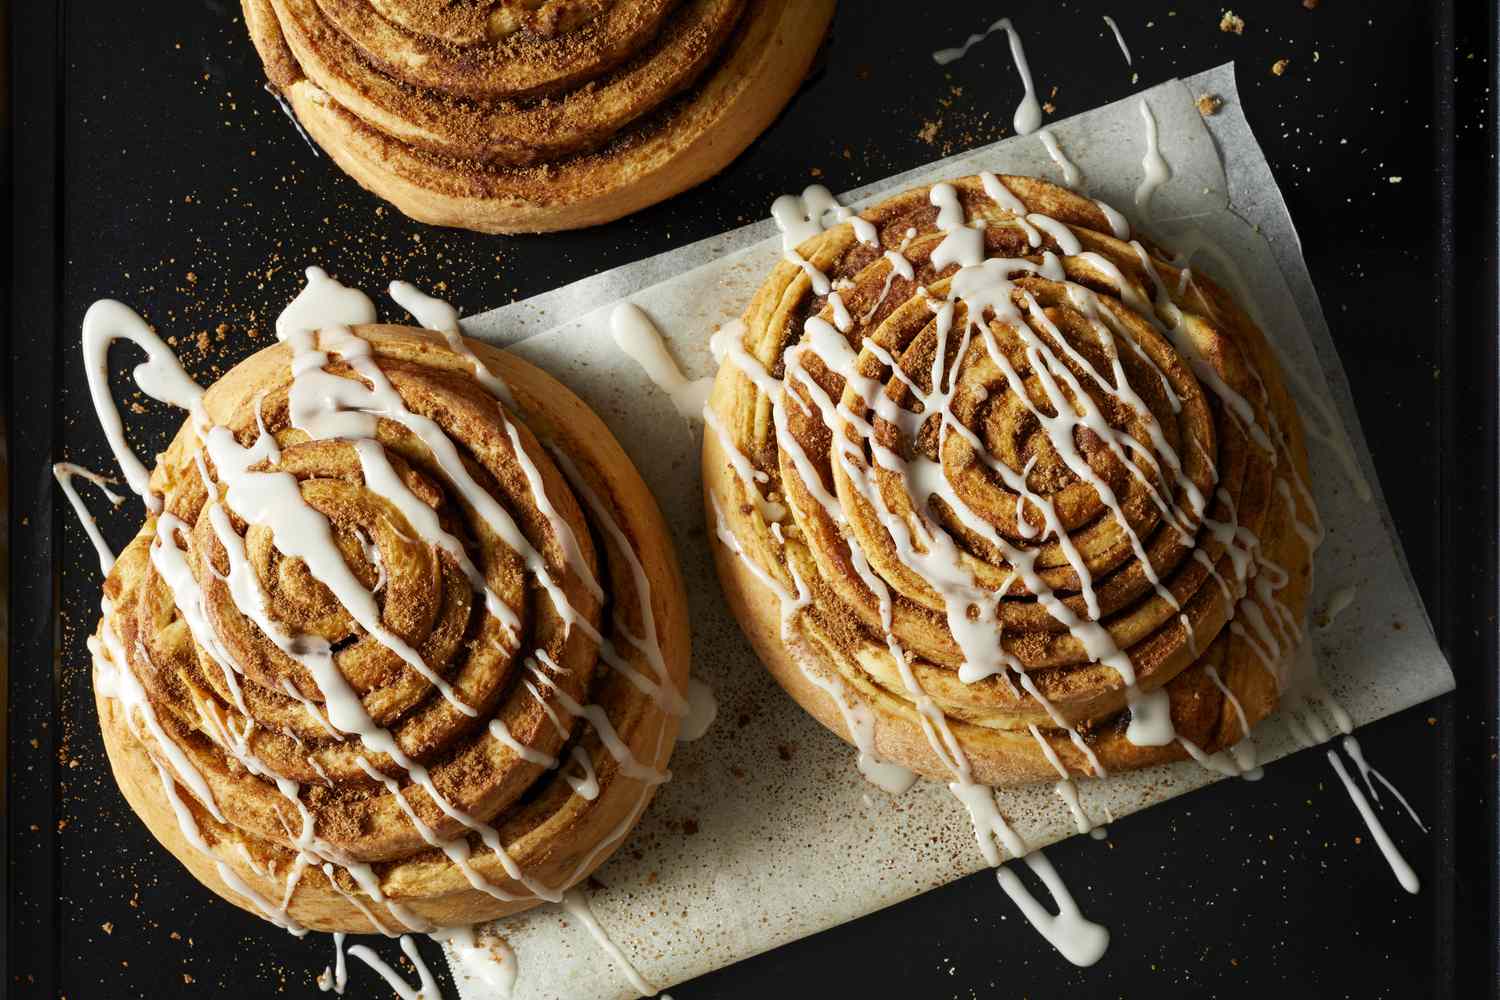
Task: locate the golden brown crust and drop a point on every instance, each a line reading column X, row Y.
column 555, row 836
column 1193, row 553
column 641, row 101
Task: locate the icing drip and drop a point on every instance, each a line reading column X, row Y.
column 64, row 472
column 1119, row 39
column 1072, row 176
column 490, row 961
column 945, row 56
column 1076, row 938
column 1065, row 788
column 1157, row 171
column 702, row 710
column 426, row 985
column 1403, row 871
column 160, row 377
column 441, row 317
column 577, row 905
column 337, row 977
column 639, row 338
column 860, row 722
column 1028, row 116
column 286, row 109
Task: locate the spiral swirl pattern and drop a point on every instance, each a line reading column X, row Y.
column 526, row 115
column 450, row 700
column 999, row 471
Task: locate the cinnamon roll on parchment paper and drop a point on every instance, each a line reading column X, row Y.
column 1002, row 495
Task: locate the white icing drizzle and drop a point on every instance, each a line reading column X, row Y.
column 585, row 784
column 943, row 57
column 1117, row 222
column 577, row 905
column 1156, row 169
column 1403, row 871
column 1338, row 602
column 286, row 109
column 1356, row 754
column 317, row 324
column 381, row 478
column 489, row 961
column 501, row 733
column 1072, row 176
column 1243, row 752
column 1065, row 788
column 860, row 722
column 1078, row 939
column 1328, row 428
column 703, row 708
column 664, row 691
column 638, row 337
column 595, row 716
column 64, row 472
column 372, row 555
column 337, row 977
column 1028, row 116
column 427, row 986
column 1306, row 694
column 161, row 377
column 1119, row 39
column 801, row 218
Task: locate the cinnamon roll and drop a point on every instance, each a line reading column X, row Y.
column 532, row 115
column 1002, row 494
column 402, row 642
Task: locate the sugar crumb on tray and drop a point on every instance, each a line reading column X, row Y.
column 1232, row 23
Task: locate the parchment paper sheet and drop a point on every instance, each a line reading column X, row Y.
column 786, row 838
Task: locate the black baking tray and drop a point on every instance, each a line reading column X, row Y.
column 147, row 163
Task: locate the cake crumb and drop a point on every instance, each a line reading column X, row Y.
column 1309, row 4
column 1209, row 104
column 1232, row 23
column 1279, row 66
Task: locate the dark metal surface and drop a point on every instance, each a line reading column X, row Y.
column 150, row 166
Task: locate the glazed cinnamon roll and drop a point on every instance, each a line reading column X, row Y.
column 531, row 115
column 402, row 643
column 1002, row 494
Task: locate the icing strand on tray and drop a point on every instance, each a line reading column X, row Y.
column 1156, row 171
column 318, row 325
column 1119, row 39
column 64, row 473
column 638, row 337
column 578, row 907
column 1028, row 116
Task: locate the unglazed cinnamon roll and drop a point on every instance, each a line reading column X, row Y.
column 1001, row 494
column 402, row 643
column 532, row 115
